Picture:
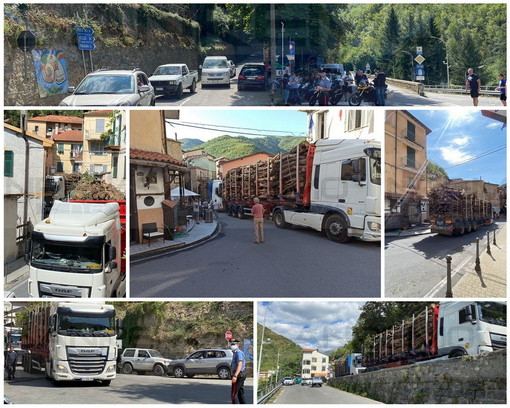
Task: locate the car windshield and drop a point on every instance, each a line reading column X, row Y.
column 155, row 353
column 215, row 63
column 167, row 71
column 106, row 84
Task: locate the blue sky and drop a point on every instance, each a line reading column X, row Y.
column 466, row 144
column 323, row 325
column 289, row 122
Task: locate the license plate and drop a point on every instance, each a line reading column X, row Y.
column 159, row 89
column 87, row 379
column 252, row 78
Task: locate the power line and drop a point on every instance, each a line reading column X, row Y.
column 497, row 149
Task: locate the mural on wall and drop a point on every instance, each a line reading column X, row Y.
column 51, row 72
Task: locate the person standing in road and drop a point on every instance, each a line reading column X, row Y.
column 10, row 362
column 502, row 89
column 473, row 85
column 238, row 369
column 380, row 86
column 215, row 208
column 257, row 211
column 324, row 87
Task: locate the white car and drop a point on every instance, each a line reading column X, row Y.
column 112, row 88
column 233, row 69
column 306, row 381
column 288, row 381
column 143, row 360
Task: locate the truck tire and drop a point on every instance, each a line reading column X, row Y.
column 106, row 383
column 474, row 226
column 158, row 370
column 336, row 229
column 127, row 368
column 193, row 87
column 179, row 372
column 179, row 91
column 459, row 230
column 224, row 372
column 279, row 219
column 467, row 227
column 457, row 353
column 240, row 212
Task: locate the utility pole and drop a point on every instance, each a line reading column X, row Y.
column 272, row 16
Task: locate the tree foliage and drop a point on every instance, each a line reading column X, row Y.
column 434, row 170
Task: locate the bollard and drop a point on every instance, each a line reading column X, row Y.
column 478, row 269
column 488, row 244
column 449, row 293
column 494, row 242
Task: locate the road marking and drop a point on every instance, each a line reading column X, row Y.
column 436, row 288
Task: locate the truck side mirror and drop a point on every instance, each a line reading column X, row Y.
column 112, row 253
column 469, row 314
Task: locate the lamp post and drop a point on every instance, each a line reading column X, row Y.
column 448, row 66
column 412, row 63
column 262, row 337
column 283, row 36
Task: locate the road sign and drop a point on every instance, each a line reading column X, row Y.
column 86, row 46
column 290, row 57
column 86, row 38
column 419, row 50
column 26, row 41
column 419, row 59
column 228, row 335
column 84, row 30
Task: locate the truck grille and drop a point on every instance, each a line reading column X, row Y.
column 87, row 360
column 61, row 291
column 498, row 341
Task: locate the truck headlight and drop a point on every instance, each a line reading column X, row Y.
column 374, row 226
column 171, row 82
column 110, row 369
column 61, row 368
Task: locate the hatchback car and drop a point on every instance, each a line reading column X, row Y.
column 252, row 76
column 206, row 361
column 142, row 361
column 112, row 88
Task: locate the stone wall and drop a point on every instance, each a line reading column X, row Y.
column 464, row 380
column 416, row 87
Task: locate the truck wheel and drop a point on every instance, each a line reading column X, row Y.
column 459, row 230
column 106, row 383
column 179, row 91
column 279, row 219
column 457, row 353
column 178, row 372
column 240, row 213
column 336, row 229
column 127, row 368
column 224, row 373
column 474, row 226
column 193, row 87
column 467, row 227
column 158, row 370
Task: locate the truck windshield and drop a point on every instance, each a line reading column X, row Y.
column 168, row 71
column 492, row 312
column 66, row 258
column 375, row 171
column 86, row 325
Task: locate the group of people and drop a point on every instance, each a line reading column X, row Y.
column 199, row 208
column 474, row 86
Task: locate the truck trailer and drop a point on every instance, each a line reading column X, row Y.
column 77, row 251
column 71, row 341
column 445, row 330
column 452, row 212
column 332, row 186
column 351, row 364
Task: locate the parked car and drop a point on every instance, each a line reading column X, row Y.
column 215, row 70
column 252, row 76
column 306, row 381
column 288, row 381
column 205, row 361
column 106, row 87
column 142, row 361
column 298, row 380
column 233, row 69
column 316, row 382
column 172, row 79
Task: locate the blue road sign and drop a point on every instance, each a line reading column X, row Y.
column 84, row 30
column 86, row 46
column 86, row 38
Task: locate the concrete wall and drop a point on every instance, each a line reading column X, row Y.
column 464, row 380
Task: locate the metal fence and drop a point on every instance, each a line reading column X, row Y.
column 266, row 392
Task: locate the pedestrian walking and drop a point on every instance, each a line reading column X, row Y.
column 238, row 369
column 473, row 85
column 10, row 362
column 285, row 89
column 380, row 86
column 502, row 89
column 215, row 208
column 257, row 211
column 196, row 211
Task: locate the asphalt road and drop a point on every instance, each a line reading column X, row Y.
column 298, row 394
column 291, row 263
column 416, row 266
column 125, row 389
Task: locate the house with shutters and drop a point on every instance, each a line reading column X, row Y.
column 314, row 363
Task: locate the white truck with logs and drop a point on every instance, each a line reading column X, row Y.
column 71, row 341
column 77, row 250
column 172, row 79
column 332, row 186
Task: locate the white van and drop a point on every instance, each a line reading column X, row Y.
column 215, row 70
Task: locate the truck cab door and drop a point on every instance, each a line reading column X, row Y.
column 352, row 191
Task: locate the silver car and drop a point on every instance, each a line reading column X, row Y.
column 142, row 361
column 112, row 88
column 206, row 361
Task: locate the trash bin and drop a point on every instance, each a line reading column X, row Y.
column 208, row 216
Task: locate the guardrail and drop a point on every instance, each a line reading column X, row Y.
column 485, row 90
column 268, row 394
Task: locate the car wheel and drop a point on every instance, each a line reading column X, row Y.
column 178, row 372
column 239, row 88
column 224, row 373
column 127, row 368
column 179, row 91
column 336, row 229
column 193, row 87
column 190, row 375
column 158, row 370
column 153, row 102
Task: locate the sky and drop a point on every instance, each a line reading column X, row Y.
column 466, row 144
column 257, row 123
column 323, row 325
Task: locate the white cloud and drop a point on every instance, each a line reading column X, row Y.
column 494, row 125
column 453, row 155
column 461, row 141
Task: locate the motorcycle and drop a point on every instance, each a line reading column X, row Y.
column 366, row 93
column 337, row 92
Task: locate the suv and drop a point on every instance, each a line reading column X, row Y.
column 112, row 88
column 252, row 75
column 142, row 361
column 205, row 361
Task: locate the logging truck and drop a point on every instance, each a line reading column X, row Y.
column 351, row 364
column 445, row 330
column 332, row 186
column 452, row 212
column 71, row 341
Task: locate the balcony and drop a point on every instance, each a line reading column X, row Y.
column 111, row 141
column 409, row 138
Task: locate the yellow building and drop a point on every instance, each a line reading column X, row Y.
column 67, row 152
column 96, row 159
column 405, row 169
column 47, row 126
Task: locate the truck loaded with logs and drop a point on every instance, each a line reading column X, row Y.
column 452, row 212
column 332, row 186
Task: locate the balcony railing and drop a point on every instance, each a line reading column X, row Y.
column 410, row 137
column 112, row 142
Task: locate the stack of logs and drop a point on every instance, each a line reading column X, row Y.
column 88, row 188
column 263, row 178
column 445, row 201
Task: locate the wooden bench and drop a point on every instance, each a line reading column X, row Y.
column 150, row 231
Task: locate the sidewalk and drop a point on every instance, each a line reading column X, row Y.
column 415, row 230
column 492, row 282
column 194, row 234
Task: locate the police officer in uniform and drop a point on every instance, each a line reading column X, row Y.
column 238, row 369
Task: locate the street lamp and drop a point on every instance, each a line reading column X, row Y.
column 283, row 36
column 412, row 63
column 448, row 66
column 262, row 336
